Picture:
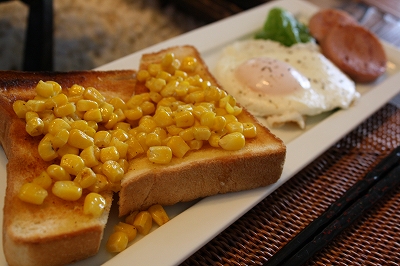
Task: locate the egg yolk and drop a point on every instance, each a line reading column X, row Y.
column 270, row 76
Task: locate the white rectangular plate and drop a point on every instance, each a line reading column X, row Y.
column 196, row 223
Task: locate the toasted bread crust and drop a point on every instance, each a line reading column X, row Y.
column 206, row 172
column 56, row 232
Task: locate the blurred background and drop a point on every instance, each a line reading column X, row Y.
column 89, row 33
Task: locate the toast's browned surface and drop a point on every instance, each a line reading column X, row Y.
column 202, row 173
column 56, row 232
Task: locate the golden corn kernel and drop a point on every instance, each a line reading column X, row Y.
column 163, row 117
column 214, row 140
column 76, row 90
column 134, row 113
column 112, row 121
column 147, row 107
column 79, row 124
column 119, row 119
column 72, row 163
column 212, row 94
column 169, row 89
column 67, row 149
column 86, row 178
column 158, row 214
column 167, row 59
column 159, row 154
column 232, row 141
column 106, row 110
column 229, row 108
column 234, row 127
column 174, row 130
column 130, row 218
column 195, row 144
column 195, row 97
column 198, row 110
column 94, row 204
column 249, row 130
column 78, row 138
column 227, row 99
column 124, row 164
column 67, row 190
column 113, row 171
column 178, row 146
column 56, row 87
column 20, row 108
column 86, row 105
column 182, row 89
column 220, row 111
column 34, row 126
column 117, row 242
column 142, row 75
column 201, row 132
column 141, row 137
column 36, row 105
column 219, row 123
column 45, row 148
column 57, row 124
column 30, row 115
column 102, row 139
column 154, row 69
column 128, row 229
column 122, row 127
column 237, row 110
column 153, row 139
column 143, row 222
column 100, row 185
column 187, row 134
column 118, row 103
column 109, row 153
column 184, row 119
column 93, row 115
column 122, row 147
column 189, row 64
column 60, row 99
column 58, row 173
column 44, row 89
column 32, row 193
column 134, row 148
column 89, row 157
column 98, row 168
column 43, row 180
column 230, row 118
column 135, row 100
column 64, row 110
column 93, row 94
column 155, row 96
column 163, row 75
column 147, row 124
column 61, row 138
column 207, row 119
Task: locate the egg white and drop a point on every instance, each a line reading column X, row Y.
column 329, row 87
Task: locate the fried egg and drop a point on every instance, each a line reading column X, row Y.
column 283, row 84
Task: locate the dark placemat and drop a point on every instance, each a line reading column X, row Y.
column 373, row 240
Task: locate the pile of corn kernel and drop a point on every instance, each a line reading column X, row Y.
column 95, row 140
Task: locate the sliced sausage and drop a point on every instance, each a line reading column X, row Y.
column 356, row 51
column 322, row 21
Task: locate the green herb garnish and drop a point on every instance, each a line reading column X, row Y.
column 283, row 27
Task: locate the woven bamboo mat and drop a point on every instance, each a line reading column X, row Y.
column 374, row 239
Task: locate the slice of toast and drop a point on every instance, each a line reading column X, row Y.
column 205, row 172
column 56, row 232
